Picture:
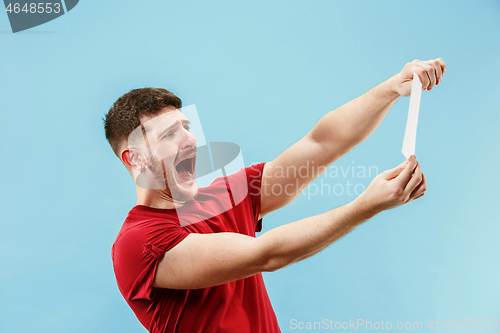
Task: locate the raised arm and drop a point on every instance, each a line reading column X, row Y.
column 205, row 260
column 339, row 132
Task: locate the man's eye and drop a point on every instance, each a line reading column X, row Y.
column 168, row 135
column 186, row 127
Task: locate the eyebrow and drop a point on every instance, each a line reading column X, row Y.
column 183, row 121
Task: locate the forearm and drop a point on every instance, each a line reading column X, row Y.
column 299, row 240
column 349, row 125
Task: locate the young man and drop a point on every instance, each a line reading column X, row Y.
column 187, row 259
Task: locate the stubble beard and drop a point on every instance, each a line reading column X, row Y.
column 165, row 178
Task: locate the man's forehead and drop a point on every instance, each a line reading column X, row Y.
column 163, row 120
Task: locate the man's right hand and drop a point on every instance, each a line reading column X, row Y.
column 395, row 187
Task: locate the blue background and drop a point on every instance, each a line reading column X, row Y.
column 261, row 75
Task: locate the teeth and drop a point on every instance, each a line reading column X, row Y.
column 189, row 173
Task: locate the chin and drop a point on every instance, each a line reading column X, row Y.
column 182, row 193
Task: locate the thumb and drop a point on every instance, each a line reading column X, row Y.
column 393, row 173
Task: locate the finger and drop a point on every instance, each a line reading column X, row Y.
column 431, row 72
column 422, row 74
column 393, row 173
column 415, row 180
column 420, row 189
column 442, row 64
column 405, row 175
column 437, row 67
column 428, row 73
column 415, row 198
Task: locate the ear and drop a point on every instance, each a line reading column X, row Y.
column 133, row 159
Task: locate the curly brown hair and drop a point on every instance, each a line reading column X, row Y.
column 124, row 116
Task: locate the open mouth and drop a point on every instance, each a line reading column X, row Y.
column 185, row 168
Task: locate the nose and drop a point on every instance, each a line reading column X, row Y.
column 188, row 140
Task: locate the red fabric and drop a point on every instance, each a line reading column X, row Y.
column 229, row 204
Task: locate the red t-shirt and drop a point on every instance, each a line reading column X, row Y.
column 229, row 204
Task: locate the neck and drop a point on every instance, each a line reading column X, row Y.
column 156, row 199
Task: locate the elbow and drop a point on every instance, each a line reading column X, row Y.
column 271, row 256
column 274, row 263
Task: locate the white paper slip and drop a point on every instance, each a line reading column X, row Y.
column 410, row 138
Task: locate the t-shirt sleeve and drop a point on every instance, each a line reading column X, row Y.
column 254, row 180
column 136, row 252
